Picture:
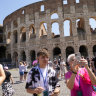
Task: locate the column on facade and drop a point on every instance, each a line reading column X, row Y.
column 87, row 26
column 19, row 56
column 26, row 18
column 50, row 50
column 27, row 36
column 76, row 48
column 63, row 52
column 74, row 30
column 90, row 51
column 48, row 20
column 12, row 42
column 37, row 28
column 61, row 29
column 18, row 32
column 28, row 59
column 73, row 20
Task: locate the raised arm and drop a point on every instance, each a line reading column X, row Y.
column 2, row 74
column 70, row 82
column 91, row 74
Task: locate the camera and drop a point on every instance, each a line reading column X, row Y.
column 78, row 56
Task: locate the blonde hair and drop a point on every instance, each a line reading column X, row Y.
column 20, row 63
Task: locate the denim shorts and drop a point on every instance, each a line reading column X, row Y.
column 21, row 73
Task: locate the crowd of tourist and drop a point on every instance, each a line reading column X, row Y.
column 43, row 78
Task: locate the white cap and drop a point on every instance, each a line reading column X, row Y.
column 6, row 68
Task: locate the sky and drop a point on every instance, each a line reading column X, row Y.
column 9, row 6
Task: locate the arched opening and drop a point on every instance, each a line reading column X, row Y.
column 94, row 50
column 69, row 50
column 23, row 37
column 23, row 56
column 15, row 59
column 92, row 23
column 32, row 55
column 55, row 30
column 1, row 38
column 15, row 24
column 2, row 53
column 15, row 36
column 9, row 57
column 80, row 28
column 77, row 1
column 42, row 8
column 65, row 2
column 43, row 29
column 23, row 34
column 57, row 53
column 67, row 28
column 32, row 32
column 54, row 16
column 9, row 38
column 83, row 50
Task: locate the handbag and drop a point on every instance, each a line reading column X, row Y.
column 79, row 93
column 94, row 88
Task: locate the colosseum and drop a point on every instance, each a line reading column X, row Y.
column 30, row 29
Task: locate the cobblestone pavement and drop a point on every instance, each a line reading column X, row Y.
column 20, row 87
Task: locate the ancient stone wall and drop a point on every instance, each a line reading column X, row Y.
column 31, row 17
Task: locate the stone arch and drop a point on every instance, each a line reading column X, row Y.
column 69, row 50
column 2, row 52
column 94, row 50
column 9, row 57
column 9, row 38
column 67, row 27
column 55, row 30
column 84, row 51
column 15, row 59
column 54, row 16
column 23, row 56
column 80, row 28
column 92, row 23
column 57, row 53
column 23, row 34
column 15, row 36
column 32, row 55
column 1, row 38
column 32, row 33
column 15, row 24
column 43, row 29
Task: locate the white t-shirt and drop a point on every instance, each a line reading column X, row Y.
column 44, row 73
column 62, row 63
column 21, row 68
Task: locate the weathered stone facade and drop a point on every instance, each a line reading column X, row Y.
column 24, row 37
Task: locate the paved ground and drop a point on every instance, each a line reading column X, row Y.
column 20, row 87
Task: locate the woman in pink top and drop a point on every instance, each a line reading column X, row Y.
column 80, row 79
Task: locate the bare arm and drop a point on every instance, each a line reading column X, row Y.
column 37, row 90
column 70, row 82
column 31, row 91
column 2, row 74
column 11, row 79
column 56, row 91
column 91, row 75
